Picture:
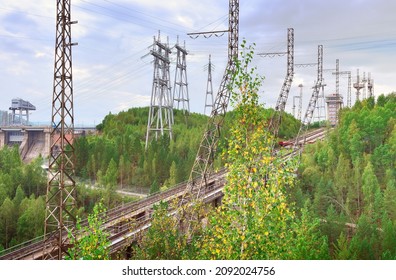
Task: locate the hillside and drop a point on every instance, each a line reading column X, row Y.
column 351, row 178
column 120, row 146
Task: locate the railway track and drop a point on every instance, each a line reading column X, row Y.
column 126, row 221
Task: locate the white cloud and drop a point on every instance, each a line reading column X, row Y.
column 39, row 54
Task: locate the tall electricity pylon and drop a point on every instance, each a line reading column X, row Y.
column 338, row 73
column 209, row 88
column 364, row 81
column 294, row 105
column 314, row 98
column 320, row 105
column 60, row 200
column 161, row 105
column 203, row 163
column 349, row 93
column 300, row 102
column 370, row 86
column 358, row 86
column 284, row 93
column 180, row 89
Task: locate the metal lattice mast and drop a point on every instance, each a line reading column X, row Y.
column 284, row 93
column 60, row 201
column 314, row 97
column 209, row 88
column 349, row 84
column 370, row 86
column 364, row 81
column 203, row 163
column 337, row 73
column 294, row 105
column 349, row 94
column 161, row 104
column 320, row 105
column 180, row 89
column 300, row 102
column 312, row 102
column 358, row 86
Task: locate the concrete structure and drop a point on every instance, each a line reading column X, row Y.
column 334, row 104
column 4, row 118
column 23, row 107
column 32, row 141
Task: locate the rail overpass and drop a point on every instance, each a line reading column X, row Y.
column 125, row 223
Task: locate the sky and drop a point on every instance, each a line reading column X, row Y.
column 112, row 71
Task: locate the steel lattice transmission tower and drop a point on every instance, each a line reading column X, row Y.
column 370, row 86
column 60, row 201
column 349, row 93
column 161, row 105
column 338, row 73
column 180, row 89
column 209, row 88
column 294, row 105
column 284, row 93
column 314, row 98
column 320, row 105
column 358, row 86
column 203, row 163
column 315, row 94
column 299, row 97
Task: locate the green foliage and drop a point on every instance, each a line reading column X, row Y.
column 91, row 242
column 154, row 187
column 163, row 240
column 31, row 221
column 356, row 194
column 7, row 222
column 122, row 137
column 309, row 243
column 21, row 207
column 255, row 220
column 121, row 140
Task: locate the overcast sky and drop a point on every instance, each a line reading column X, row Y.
column 110, row 74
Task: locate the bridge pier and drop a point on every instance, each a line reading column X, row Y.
column 2, row 138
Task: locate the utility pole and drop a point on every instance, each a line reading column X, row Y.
column 203, row 163
column 161, row 105
column 61, row 187
column 180, row 89
column 209, row 88
column 284, row 93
